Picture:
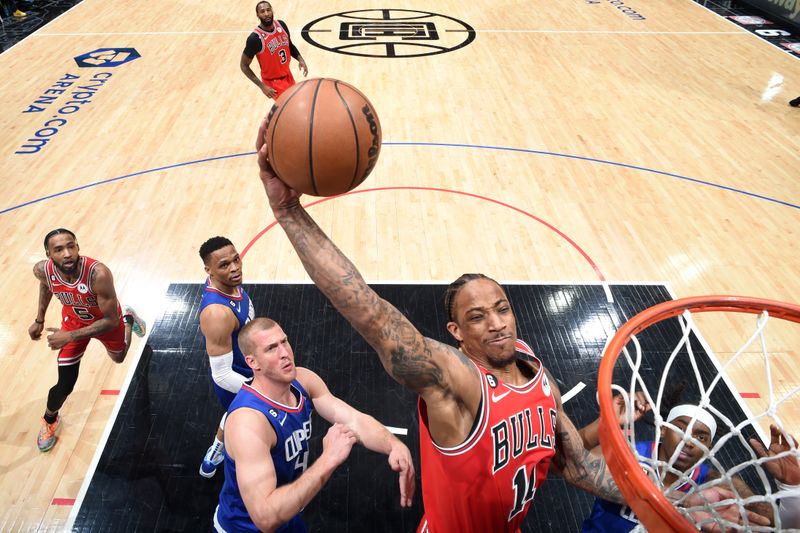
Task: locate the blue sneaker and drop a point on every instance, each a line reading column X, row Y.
column 212, row 460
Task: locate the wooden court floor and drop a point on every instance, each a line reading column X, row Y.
column 567, row 141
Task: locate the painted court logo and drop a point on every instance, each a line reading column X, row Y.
column 388, row 33
column 60, row 103
column 107, row 57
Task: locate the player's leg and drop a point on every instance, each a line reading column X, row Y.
column 69, row 361
column 214, row 456
column 118, row 341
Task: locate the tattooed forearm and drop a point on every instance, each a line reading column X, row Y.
column 404, row 352
column 582, row 468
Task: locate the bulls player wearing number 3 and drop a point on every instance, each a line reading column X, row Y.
column 491, row 419
column 271, row 44
column 90, row 310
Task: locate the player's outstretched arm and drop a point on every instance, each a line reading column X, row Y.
column 370, row 433
column 424, row 365
column 249, row 439
column 218, row 324
column 35, row 329
column 584, row 469
column 102, row 284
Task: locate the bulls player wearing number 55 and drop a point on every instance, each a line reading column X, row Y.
column 271, row 44
column 491, row 418
column 90, row 310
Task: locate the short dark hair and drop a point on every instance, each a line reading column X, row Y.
column 212, row 245
column 57, row 231
column 262, row 2
column 455, row 287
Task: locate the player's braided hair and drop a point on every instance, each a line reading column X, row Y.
column 212, row 245
column 57, row 231
column 453, row 288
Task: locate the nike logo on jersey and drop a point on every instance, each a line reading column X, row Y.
column 285, row 416
column 497, row 397
column 237, row 307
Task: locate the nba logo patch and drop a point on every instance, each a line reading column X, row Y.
column 545, row 386
column 82, row 288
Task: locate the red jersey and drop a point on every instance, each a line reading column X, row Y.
column 486, row 483
column 275, row 52
column 78, row 299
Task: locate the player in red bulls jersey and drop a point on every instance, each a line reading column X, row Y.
column 271, row 44
column 90, row 310
column 491, row 419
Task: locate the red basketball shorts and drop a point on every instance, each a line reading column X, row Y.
column 280, row 84
column 71, row 353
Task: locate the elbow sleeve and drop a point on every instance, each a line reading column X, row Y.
column 223, row 374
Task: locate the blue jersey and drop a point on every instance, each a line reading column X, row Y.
column 292, row 425
column 609, row 517
column 243, row 310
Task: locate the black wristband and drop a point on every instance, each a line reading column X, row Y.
column 38, row 321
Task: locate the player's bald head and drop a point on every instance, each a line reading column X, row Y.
column 260, row 3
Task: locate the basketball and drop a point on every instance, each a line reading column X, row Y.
column 323, row 137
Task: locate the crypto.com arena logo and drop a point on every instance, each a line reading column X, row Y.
column 388, row 33
column 107, row 57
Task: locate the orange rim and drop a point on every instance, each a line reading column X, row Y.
column 646, row 500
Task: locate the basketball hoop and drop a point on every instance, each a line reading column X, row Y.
column 646, row 494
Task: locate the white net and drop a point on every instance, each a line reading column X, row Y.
column 731, row 477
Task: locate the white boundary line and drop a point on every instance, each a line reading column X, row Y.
column 101, row 444
column 242, row 32
column 37, row 32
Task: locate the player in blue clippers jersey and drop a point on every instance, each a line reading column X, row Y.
column 609, row 517
column 224, row 310
column 268, row 476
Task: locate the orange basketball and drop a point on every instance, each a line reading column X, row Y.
column 323, row 137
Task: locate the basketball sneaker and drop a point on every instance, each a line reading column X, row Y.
column 138, row 326
column 212, row 459
column 795, row 102
column 19, row 14
column 47, row 435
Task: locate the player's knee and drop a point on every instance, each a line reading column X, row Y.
column 118, row 357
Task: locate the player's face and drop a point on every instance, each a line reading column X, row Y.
column 225, row 267
column 272, row 355
column 63, row 250
column 691, row 452
column 484, row 323
column 264, row 13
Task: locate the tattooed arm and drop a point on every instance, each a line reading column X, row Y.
column 35, row 329
column 584, row 469
column 439, row 373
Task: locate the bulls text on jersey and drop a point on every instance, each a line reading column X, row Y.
column 519, row 432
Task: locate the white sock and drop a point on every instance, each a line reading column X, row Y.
column 214, row 453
